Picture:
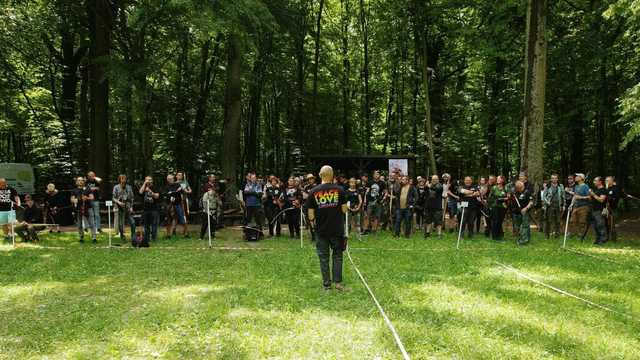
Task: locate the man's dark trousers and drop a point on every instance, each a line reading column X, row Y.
column 403, row 216
column 330, row 247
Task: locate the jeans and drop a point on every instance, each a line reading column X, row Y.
column 599, row 226
column 403, row 215
column 95, row 207
column 87, row 219
column 122, row 214
column 151, row 219
column 330, row 247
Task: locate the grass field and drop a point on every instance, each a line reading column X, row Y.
column 179, row 300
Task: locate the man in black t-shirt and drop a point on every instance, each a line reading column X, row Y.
column 175, row 211
column 8, row 200
column 433, row 206
column 374, row 196
column 598, row 204
column 469, row 194
column 93, row 182
column 151, row 211
column 521, row 216
column 82, row 199
column 327, row 205
column 613, row 198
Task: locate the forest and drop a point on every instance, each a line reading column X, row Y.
column 468, row 86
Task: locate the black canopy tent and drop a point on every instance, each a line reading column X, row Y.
column 355, row 165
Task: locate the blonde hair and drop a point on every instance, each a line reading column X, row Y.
column 326, row 173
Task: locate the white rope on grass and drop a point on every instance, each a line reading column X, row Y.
column 405, row 355
column 594, row 256
column 563, row 292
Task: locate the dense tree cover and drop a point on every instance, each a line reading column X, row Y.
column 146, row 86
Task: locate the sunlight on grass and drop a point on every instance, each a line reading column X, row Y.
column 177, row 300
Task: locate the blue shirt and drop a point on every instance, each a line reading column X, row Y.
column 581, row 190
column 252, row 194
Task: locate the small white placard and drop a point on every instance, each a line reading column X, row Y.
column 464, row 204
column 108, row 203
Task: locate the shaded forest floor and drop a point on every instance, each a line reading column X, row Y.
column 178, row 299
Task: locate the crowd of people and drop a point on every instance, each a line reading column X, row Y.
column 399, row 203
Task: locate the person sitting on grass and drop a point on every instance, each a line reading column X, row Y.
column 28, row 228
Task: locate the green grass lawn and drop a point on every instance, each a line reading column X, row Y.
column 179, row 300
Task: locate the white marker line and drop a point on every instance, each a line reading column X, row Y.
column 150, row 248
column 405, row 355
column 560, row 291
column 449, row 249
column 601, row 258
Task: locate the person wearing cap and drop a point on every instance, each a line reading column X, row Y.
column 327, row 204
column 581, row 206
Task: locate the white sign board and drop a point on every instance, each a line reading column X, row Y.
column 19, row 177
column 399, row 164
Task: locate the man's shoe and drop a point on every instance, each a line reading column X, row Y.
column 340, row 287
column 95, row 241
column 81, row 241
column 326, row 287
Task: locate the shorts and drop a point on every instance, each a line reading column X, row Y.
column 433, row 216
column 453, row 208
column 7, row 217
column 374, row 210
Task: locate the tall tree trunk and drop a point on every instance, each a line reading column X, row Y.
column 316, row 67
column 299, row 123
column 346, row 73
column 181, row 117
column 85, row 124
column 70, row 61
column 428, row 126
column 255, row 102
column 415, row 92
column 233, row 110
column 494, row 113
column 101, row 18
column 365, row 74
column 532, row 147
column 208, row 71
